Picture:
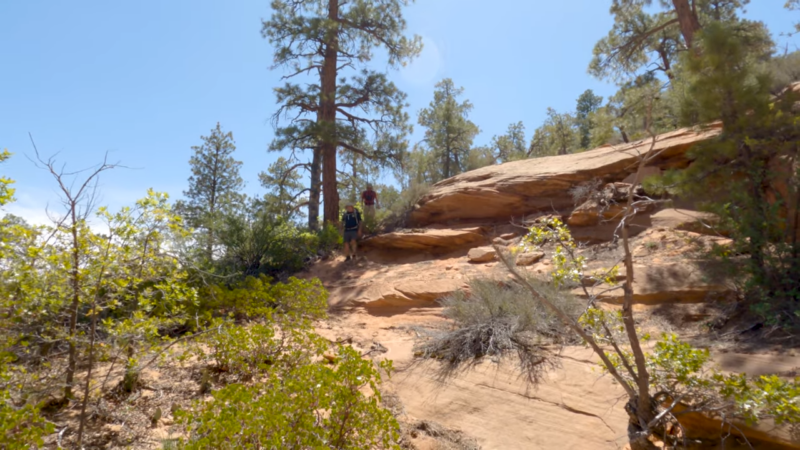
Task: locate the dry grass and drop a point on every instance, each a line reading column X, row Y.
column 495, row 319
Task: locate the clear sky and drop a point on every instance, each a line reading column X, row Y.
column 143, row 80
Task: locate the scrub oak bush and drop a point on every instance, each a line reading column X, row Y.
column 301, row 406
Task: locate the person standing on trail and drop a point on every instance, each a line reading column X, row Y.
column 351, row 230
column 370, row 200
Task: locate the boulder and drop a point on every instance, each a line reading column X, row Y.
column 431, row 240
column 481, row 254
column 529, row 258
column 518, row 188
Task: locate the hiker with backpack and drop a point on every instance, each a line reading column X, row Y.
column 370, row 200
column 351, row 227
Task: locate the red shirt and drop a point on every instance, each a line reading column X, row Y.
column 369, row 197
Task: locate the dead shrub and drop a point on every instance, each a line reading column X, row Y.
column 498, row 318
column 585, row 191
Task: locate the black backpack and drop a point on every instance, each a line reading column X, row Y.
column 351, row 220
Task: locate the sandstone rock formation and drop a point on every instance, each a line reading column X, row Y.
column 432, row 240
column 515, row 189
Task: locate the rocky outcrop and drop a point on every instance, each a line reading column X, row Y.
column 513, row 190
column 608, row 204
column 430, row 240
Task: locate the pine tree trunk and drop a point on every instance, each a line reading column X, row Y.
column 313, row 191
column 687, row 18
column 447, row 162
column 328, row 119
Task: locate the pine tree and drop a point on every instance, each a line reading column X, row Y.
column 285, row 189
column 557, row 136
column 318, row 40
column 749, row 174
column 214, row 186
column 648, row 38
column 449, row 132
column 510, row 146
column 587, row 104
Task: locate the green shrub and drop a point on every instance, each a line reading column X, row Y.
column 247, row 351
column 261, row 243
column 258, row 297
column 308, row 406
column 329, row 238
column 20, row 427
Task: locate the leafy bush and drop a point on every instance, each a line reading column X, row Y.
column 307, row 406
column 262, row 243
column 247, row 351
column 258, row 297
column 329, row 238
column 20, row 427
column 685, row 375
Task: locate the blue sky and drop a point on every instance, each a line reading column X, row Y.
column 143, row 80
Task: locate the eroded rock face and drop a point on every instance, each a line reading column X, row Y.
column 667, row 283
column 513, row 190
column 432, row 240
column 608, row 204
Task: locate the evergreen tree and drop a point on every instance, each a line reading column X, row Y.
column 318, row 40
column 449, row 133
column 480, row 157
column 650, row 37
column 557, row 136
column 285, row 189
column 587, row 104
column 297, row 139
column 214, row 186
column 748, row 175
column 510, row 146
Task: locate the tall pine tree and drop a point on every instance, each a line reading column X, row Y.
column 214, row 186
column 319, row 41
column 449, row 133
column 587, row 104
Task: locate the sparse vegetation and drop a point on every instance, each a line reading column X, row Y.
column 495, row 319
column 96, row 303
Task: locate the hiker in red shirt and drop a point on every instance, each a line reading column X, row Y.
column 370, row 200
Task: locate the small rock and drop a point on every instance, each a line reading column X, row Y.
column 529, row 258
column 508, row 236
column 501, row 241
column 448, row 268
column 331, row 358
column 155, row 417
column 481, row 254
